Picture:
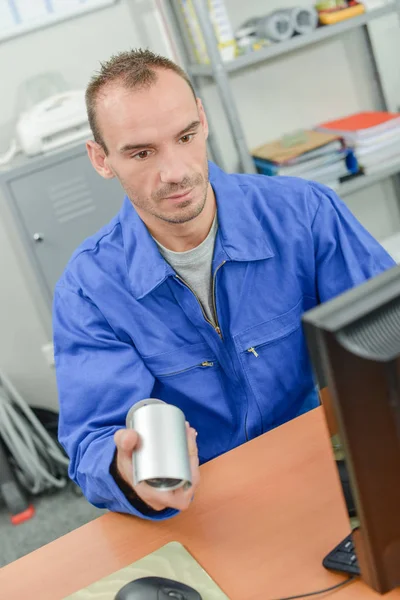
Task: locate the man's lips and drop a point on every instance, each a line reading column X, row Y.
column 180, row 196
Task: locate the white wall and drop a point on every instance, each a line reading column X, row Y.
column 299, row 90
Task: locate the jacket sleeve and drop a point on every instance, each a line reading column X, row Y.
column 99, row 377
column 346, row 255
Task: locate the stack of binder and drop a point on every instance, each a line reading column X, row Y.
column 374, row 137
column 317, row 156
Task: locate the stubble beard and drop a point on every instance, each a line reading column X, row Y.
column 181, row 215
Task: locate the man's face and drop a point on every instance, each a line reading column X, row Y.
column 156, row 141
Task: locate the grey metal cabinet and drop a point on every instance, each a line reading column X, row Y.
column 56, row 201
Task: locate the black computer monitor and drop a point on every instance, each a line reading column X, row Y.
column 354, row 345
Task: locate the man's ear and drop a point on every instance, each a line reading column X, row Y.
column 203, row 117
column 98, row 158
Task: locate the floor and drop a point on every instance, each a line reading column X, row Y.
column 56, row 514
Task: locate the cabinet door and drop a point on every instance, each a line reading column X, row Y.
column 59, row 206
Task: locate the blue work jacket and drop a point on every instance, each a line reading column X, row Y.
column 126, row 328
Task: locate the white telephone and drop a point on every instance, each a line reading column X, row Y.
column 53, row 122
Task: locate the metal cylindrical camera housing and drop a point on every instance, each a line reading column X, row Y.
column 162, row 457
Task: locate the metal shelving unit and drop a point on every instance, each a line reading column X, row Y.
column 295, row 43
column 363, row 181
column 220, row 72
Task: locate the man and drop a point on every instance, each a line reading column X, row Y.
column 193, row 293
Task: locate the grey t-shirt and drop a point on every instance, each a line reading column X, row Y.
column 194, row 267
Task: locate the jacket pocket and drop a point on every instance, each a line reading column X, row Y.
column 190, row 377
column 276, row 365
column 206, row 364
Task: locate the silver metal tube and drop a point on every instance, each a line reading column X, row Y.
column 162, row 458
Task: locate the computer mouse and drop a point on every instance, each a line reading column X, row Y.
column 157, row 588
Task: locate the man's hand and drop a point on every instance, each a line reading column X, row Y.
column 126, row 441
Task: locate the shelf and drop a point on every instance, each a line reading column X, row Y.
column 299, row 41
column 363, row 181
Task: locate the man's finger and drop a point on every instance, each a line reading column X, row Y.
column 193, row 457
column 179, row 499
column 126, row 439
column 183, row 498
column 155, row 498
column 192, row 443
column 153, row 503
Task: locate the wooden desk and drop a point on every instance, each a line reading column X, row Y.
column 264, row 517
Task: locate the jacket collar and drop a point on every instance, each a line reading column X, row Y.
column 240, row 234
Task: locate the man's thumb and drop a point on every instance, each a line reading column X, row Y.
column 126, row 440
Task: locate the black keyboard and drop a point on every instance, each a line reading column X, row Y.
column 343, row 558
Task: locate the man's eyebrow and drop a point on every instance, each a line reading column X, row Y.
column 193, row 125
column 130, row 147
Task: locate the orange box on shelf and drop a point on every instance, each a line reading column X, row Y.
column 330, row 18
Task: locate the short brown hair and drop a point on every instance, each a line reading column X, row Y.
column 134, row 69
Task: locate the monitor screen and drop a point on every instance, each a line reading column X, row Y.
column 354, row 345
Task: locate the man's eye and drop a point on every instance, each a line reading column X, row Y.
column 185, row 139
column 142, row 154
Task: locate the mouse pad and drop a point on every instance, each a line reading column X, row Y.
column 172, row 561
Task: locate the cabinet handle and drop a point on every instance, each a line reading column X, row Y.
column 37, row 237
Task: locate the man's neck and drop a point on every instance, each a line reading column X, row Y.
column 180, row 237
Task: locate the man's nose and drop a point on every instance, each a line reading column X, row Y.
column 172, row 169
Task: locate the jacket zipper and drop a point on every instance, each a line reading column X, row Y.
column 216, row 327
column 252, row 350
column 205, row 364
